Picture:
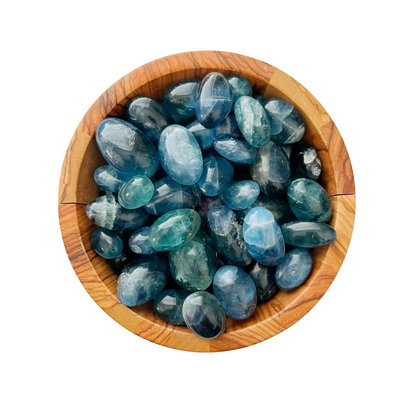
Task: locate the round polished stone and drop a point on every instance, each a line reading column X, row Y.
column 216, row 176
column 109, row 178
column 308, row 234
column 106, row 243
column 239, row 86
column 237, row 151
column 139, row 241
column 264, row 280
column 241, row 194
column 168, row 305
column 136, row 192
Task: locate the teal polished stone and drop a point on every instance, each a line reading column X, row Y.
column 252, row 121
column 309, row 201
column 168, row 306
column 216, row 176
column 237, row 151
column 174, row 229
column 308, row 234
column 136, row 192
column 106, row 243
column 193, row 265
column 305, row 158
column 139, row 241
column 294, row 269
column 241, row 194
column 239, row 86
column 264, row 279
column 109, row 178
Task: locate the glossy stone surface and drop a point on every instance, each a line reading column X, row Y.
column 214, row 100
column 227, row 236
column 126, row 148
column 106, row 243
column 237, row 151
column 263, row 237
column 205, row 205
column 106, row 212
column 194, row 264
column 271, row 170
column 239, row 87
column 204, row 315
column 286, row 124
column 148, row 116
column 141, row 280
column 139, row 241
column 109, row 178
column 236, row 292
column 174, row 229
column 309, row 201
column 252, row 121
column 136, row 192
column 228, row 127
column 241, row 194
column 216, row 176
column 294, row 269
column 263, row 278
column 180, row 155
column 305, row 157
column 308, row 234
column 168, row 305
column 180, row 100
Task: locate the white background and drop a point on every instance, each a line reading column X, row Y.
column 353, row 354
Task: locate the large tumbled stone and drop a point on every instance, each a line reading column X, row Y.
column 168, row 305
column 216, row 176
column 264, row 280
column 308, row 234
column 106, row 243
column 241, row 194
column 237, row 151
column 136, row 192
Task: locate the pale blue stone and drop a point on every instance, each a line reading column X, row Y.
column 237, row 151
column 180, row 155
column 241, row 194
column 106, row 243
column 239, row 86
column 294, row 269
column 308, row 234
column 136, row 192
column 168, row 305
column 264, row 280
column 236, row 292
column 216, row 176
column 109, row 178
column 139, row 241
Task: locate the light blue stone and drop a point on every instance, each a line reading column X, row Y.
column 236, row 292
column 216, row 176
column 239, row 86
column 170, row 195
column 136, row 192
column 252, row 121
column 308, row 234
column 126, row 148
column 180, row 155
column 214, row 100
column 286, row 124
column 109, row 178
column 294, row 269
column 141, row 280
column 237, row 151
column 106, row 243
column 263, row 237
column 264, row 279
column 168, row 305
column 241, row 194
column 204, row 315
column 139, row 241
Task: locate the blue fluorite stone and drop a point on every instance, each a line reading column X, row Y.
column 180, row 100
column 168, row 305
column 205, row 205
column 147, row 115
column 204, row 315
column 309, row 201
column 180, row 155
column 260, row 99
column 308, row 234
column 170, row 195
column 228, row 127
column 294, row 269
column 109, row 178
column 139, row 241
column 239, row 86
column 252, row 121
column 214, row 100
column 141, row 280
column 216, row 176
column 120, row 262
column 241, row 194
column 305, row 157
column 237, row 151
column 286, row 124
column 264, row 279
column 106, row 243
column 263, row 237
column 136, row 192
column 126, row 148
column 236, row 292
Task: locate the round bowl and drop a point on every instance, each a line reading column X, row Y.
column 77, row 188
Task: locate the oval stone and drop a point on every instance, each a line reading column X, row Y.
column 305, row 157
column 106, row 243
column 252, row 121
column 241, row 194
column 204, row 315
column 109, row 178
column 308, row 234
column 168, row 305
column 263, row 278
column 309, row 201
column 126, row 148
column 236, row 292
column 214, row 100
column 136, row 192
column 139, row 241
column 294, row 269
column 216, row 176
column 174, row 229
column 239, row 87
column 263, row 237
column 237, row 151
column 180, row 155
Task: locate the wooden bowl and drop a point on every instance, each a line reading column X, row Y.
column 77, row 188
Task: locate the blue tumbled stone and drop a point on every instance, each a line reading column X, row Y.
column 109, row 178
column 264, row 279
column 239, row 86
column 305, row 157
column 237, row 151
column 236, row 292
column 106, row 243
column 294, row 269
column 205, row 205
column 216, row 176
column 241, row 194
column 228, row 127
column 168, row 305
column 136, row 192
column 139, row 241
column 308, row 234
column 205, row 137
column 260, row 99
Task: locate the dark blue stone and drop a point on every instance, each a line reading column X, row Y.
column 205, row 205
column 205, row 137
column 237, row 151
column 139, row 241
column 241, row 194
column 260, row 99
column 109, row 178
column 120, row 262
column 264, row 280
column 305, row 158
column 228, row 127
column 216, row 176
column 168, row 305
column 106, row 243
column 239, row 87
column 294, row 269
column 308, row 234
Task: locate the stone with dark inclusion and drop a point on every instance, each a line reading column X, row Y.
column 139, row 241
column 260, row 99
column 309, row 201
column 227, row 236
column 109, row 178
column 136, row 192
column 168, row 305
column 170, row 195
column 236, row 292
column 252, row 121
column 294, row 269
column 305, row 157
column 241, row 194
column 239, row 86
column 271, row 171
column 204, row 315
column 194, row 264
column 216, row 176
column 263, row 237
column 237, row 151
column 308, row 234
column 120, row 262
column 106, row 243
column 126, row 148
column 286, row 124
column 214, row 100
column 264, row 280
column 205, row 205
column 174, row 229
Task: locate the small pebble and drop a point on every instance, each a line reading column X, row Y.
column 106, row 243
column 294, row 269
column 168, row 306
column 139, row 241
